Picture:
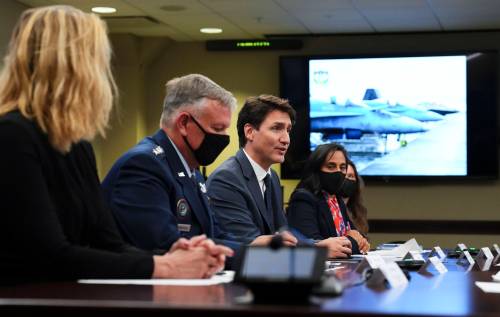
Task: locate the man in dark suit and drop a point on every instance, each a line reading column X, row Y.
column 245, row 193
column 155, row 190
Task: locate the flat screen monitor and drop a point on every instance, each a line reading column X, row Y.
column 431, row 116
column 297, row 264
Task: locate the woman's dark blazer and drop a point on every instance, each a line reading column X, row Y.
column 311, row 215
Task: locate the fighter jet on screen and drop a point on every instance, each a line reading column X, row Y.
column 437, row 108
column 372, row 99
column 355, row 119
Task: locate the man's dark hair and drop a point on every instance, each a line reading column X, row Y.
column 322, row 153
column 255, row 111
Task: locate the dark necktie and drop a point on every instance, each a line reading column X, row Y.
column 268, row 193
column 196, row 185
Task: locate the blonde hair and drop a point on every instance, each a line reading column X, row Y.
column 57, row 72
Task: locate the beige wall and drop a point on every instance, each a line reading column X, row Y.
column 128, row 123
column 251, row 73
column 9, row 13
column 143, row 65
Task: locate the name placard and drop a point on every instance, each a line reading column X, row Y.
column 434, row 262
column 437, row 251
column 370, row 262
column 484, row 259
column 484, row 264
column 496, row 248
column 462, row 246
column 467, row 257
column 390, row 273
column 413, row 255
column 485, row 253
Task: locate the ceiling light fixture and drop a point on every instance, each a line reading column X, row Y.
column 103, row 10
column 210, row 30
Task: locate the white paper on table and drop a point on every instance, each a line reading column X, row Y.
column 394, row 275
column 387, row 255
column 358, row 256
column 489, row 287
column 400, row 251
column 496, row 277
column 226, row 277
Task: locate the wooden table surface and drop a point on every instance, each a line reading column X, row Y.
column 451, row 294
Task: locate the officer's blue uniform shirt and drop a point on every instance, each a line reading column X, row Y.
column 156, row 199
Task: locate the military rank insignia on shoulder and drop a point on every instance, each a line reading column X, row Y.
column 158, row 150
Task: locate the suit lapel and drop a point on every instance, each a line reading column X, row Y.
column 198, row 207
column 254, row 188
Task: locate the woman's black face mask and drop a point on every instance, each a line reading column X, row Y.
column 348, row 188
column 331, row 182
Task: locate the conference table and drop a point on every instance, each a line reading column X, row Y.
column 453, row 293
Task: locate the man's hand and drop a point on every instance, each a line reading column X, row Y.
column 288, row 239
column 219, row 253
column 338, row 247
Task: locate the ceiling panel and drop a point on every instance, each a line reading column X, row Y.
column 335, row 21
column 242, row 19
column 247, row 7
column 172, row 7
column 301, row 6
column 467, row 15
column 390, row 4
column 400, row 19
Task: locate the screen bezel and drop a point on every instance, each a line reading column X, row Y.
column 482, row 141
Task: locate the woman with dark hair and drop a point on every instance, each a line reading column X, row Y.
column 316, row 208
column 351, row 194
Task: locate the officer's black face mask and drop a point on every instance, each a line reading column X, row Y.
column 348, row 188
column 211, row 146
column 331, row 182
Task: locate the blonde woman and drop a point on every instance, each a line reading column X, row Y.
column 56, row 93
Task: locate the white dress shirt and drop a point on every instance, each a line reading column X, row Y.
column 260, row 173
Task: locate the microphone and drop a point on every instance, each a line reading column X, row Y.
column 276, row 242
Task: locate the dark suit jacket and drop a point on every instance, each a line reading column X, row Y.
column 237, row 201
column 153, row 199
column 311, row 215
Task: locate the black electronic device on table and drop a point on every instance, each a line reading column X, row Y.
column 410, row 264
column 457, row 252
column 281, row 272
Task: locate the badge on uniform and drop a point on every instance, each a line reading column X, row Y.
column 158, row 150
column 182, row 208
column 183, row 227
column 203, row 188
